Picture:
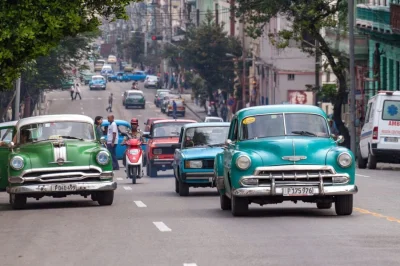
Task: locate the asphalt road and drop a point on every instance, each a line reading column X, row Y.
column 149, row 224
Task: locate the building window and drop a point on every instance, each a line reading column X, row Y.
column 290, row 76
column 328, row 76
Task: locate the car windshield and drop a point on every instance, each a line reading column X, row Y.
column 170, row 129
column 6, row 134
column 214, row 120
column 273, row 125
column 205, row 136
column 56, row 130
column 135, row 96
column 97, row 78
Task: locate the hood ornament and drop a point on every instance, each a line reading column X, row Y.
column 60, row 161
column 294, row 158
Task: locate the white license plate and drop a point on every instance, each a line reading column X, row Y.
column 298, row 191
column 62, row 187
column 391, row 139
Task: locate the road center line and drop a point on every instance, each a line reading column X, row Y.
column 119, row 178
column 362, row 175
column 127, row 188
column 189, row 264
column 140, row 204
column 378, row 215
column 162, row 227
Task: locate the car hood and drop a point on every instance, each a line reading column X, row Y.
column 44, row 154
column 201, row 153
column 98, row 82
column 281, row 151
column 170, row 140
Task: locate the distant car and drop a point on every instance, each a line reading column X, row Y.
column 213, row 119
column 128, row 68
column 134, row 98
column 112, row 59
column 165, row 101
column 151, row 81
column 67, row 83
column 86, row 77
column 107, row 70
column 119, row 76
column 98, row 64
column 98, row 82
column 198, row 145
column 149, row 121
column 159, row 96
column 180, row 107
column 138, row 76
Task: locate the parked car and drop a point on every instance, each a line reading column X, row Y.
column 56, row 156
column 98, row 64
column 112, row 59
column 67, row 83
column 133, row 98
column 151, row 81
column 194, row 156
column 282, row 153
column 213, row 119
column 98, row 82
column 86, row 77
column 149, row 122
column 160, row 153
column 159, row 96
column 180, row 107
column 128, row 68
column 7, row 130
column 379, row 140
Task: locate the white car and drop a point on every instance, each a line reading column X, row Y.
column 380, row 135
column 213, row 119
column 151, row 81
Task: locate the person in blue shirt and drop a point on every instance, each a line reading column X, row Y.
column 174, row 108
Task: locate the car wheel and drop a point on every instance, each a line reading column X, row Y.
column 176, row 185
column 344, row 205
column 105, row 198
column 153, row 171
column 94, row 196
column 324, row 205
column 225, row 202
column 240, row 206
column 17, row 201
column 183, row 189
column 371, row 164
column 362, row 163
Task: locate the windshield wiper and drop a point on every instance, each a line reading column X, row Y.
column 69, row 137
column 304, row 133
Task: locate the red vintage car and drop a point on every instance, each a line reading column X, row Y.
column 149, row 122
column 160, row 153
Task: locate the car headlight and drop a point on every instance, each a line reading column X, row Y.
column 17, row 163
column 193, row 164
column 243, row 162
column 103, row 158
column 157, row 151
column 345, row 160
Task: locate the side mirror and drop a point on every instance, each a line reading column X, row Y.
column 228, row 142
column 176, row 145
column 340, row 139
column 11, row 145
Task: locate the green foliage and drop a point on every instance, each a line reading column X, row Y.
column 30, row 29
column 135, row 47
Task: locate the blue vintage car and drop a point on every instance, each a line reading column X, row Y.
column 194, row 155
column 119, row 76
column 138, row 76
column 282, row 153
column 98, row 82
column 124, row 128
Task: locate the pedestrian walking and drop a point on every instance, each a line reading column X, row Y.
column 77, row 91
column 72, row 90
column 110, row 102
column 112, row 141
column 174, row 109
column 224, row 112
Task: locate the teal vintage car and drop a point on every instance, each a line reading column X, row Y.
column 56, row 155
column 282, row 153
column 194, row 155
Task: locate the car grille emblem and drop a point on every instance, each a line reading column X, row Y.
column 60, row 161
column 294, row 158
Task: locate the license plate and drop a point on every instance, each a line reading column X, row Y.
column 62, row 187
column 298, row 191
column 391, row 139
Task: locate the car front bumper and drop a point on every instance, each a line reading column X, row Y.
column 63, row 187
column 162, row 161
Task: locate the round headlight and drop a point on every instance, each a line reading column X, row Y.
column 17, row 163
column 345, row 160
column 243, row 162
column 103, row 158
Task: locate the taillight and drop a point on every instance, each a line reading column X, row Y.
column 375, row 133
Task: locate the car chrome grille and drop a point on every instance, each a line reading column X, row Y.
column 61, row 176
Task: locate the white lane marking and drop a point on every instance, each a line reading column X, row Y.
column 83, row 113
column 55, row 99
column 189, row 264
column 81, row 108
column 119, row 178
column 62, row 98
column 98, row 98
column 362, row 175
column 140, row 204
column 139, row 115
column 162, row 227
column 127, row 188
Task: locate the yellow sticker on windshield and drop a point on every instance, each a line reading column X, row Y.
column 249, row 120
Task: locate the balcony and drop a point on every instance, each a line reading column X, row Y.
column 374, row 18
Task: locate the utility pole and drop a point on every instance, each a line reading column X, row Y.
column 216, row 14
column 317, row 71
column 244, row 66
column 145, row 34
column 352, row 78
column 17, row 98
column 232, row 17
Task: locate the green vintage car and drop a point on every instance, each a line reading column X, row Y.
column 282, row 153
column 56, row 155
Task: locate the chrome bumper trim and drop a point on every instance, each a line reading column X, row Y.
column 46, row 188
column 267, row 191
column 220, row 182
column 163, row 161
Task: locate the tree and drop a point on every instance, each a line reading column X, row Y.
column 30, row 29
column 135, row 47
column 307, row 19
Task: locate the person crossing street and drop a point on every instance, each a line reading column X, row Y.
column 110, row 103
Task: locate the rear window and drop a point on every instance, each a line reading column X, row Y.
column 391, row 110
column 135, row 96
column 214, row 120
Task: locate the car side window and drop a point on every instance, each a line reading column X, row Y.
column 233, row 130
column 181, row 135
column 368, row 113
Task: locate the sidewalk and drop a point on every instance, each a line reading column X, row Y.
column 196, row 110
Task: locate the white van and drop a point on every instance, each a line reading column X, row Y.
column 380, row 135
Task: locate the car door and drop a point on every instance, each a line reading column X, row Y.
column 230, row 150
column 122, row 131
column 178, row 152
column 366, row 132
column 6, row 134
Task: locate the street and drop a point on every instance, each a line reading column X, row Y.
column 150, row 225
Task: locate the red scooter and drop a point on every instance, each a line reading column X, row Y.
column 133, row 159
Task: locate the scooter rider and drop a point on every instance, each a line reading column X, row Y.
column 135, row 85
column 135, row 133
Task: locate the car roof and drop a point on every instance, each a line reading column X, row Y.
column 213, row 117
column 134, row 91
column 152, row 119
column 117, row 121
column 8, row 124
column 174, row 120
column 204, row 124
column 54, row 118
column 279, row 108
column 98, row 76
